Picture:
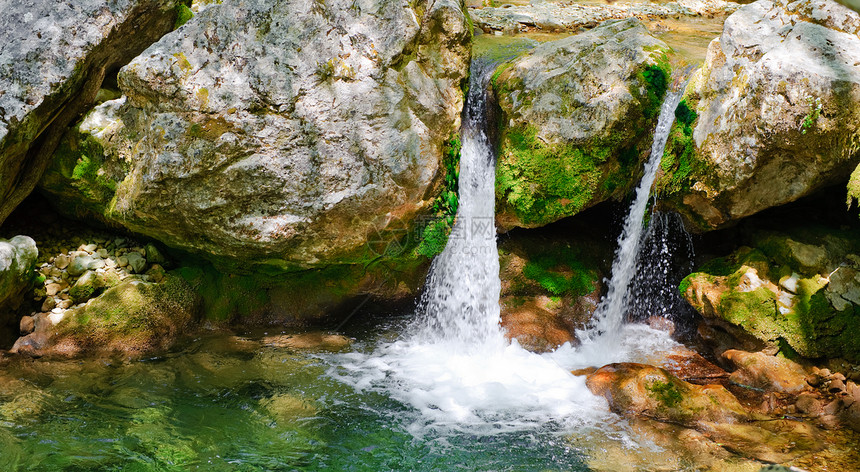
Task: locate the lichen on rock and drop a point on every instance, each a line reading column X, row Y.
column 287, row 135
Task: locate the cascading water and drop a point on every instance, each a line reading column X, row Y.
column 610, row 313
column 455, row 370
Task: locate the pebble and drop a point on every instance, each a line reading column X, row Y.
column 56, row 317
column 122, row 261
column 110, row 264
column 49, row 304
column 90, row 248
column 103, row 253
column 53, row 289
column 66, row 303
column 61, row 261
column 27, row 325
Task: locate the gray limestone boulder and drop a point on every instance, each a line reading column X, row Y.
column 286, row 134
column 17, row 263
column 577, row 115
column 773, row 115
column 54, row 56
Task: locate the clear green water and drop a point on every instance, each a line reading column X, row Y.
column 231, row 404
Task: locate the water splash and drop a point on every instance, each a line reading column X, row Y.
column 612, row 310
column 455, row 369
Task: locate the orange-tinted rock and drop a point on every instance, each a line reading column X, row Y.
column 533, row 326
column 770, row 373
column 647, row 391
column 690, row 366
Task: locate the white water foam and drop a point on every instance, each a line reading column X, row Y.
column 457, row 370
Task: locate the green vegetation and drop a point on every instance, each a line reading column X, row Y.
column 434, row 235
column 680, row 164
column 666, row 393
column 655, row 78
column 561, row 271
column 542, row 182
column 183, row 14
column 811, row 118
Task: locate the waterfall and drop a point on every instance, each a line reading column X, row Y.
column 461, row 299
column 612, row 310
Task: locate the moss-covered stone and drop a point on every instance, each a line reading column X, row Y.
column 566, row 144
column 134, row 317
column 788, row 293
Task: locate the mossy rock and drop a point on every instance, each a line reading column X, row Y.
column 780, row 297
column 567, row 144
column 134, row 318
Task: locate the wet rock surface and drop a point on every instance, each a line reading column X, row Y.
column 560, row 16
column 576, row 115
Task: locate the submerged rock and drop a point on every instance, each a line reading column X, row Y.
column 285, row 134
column 643, row 391
column 772, row 115
column 576, row 117
column 54, row 56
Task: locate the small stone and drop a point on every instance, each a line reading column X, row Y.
column 90, row 248
column 122, row 261
column 81, row 264
column 119, row 242
column 110, row 264
column 103, row 253
column 49, row 304
column 86, row 287
column 809, row 403
column 27, row 325
column 56, row 273
column 156, row 273
column 136, row 262
column 836, row 386
column 56, row 317
column 53, row 289
column 64, row 304
column 61, row 261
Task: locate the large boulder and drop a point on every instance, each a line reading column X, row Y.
column 286, row 134
column 54, row 56
column 798, row 292
column 773, row 115
column 576, row 117
column 17, row 274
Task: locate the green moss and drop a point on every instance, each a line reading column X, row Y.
column 543, row 182
column 666, row 393
column 561, row 271
column 655, row 80
column 432, row 236
column 183, row 14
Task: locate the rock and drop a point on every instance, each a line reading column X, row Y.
column 550, row 285
column 102, row 253
column 53, row 289
column 61, row 261
column 156, row 273
column 778, row 107
column 329, row 130
column 27, row 324
column 17, row 273
column 54, row 58
column 122, row 261
column 316, row 341
column 81, row 264
column 136, row 262
column 741, row 293
column 132, row 318
column 577, row 115
column 154, row 255
column 49, row 304
column 646, row 391
column 638, row 390
column 86, row 287
column 809, row 403
column 769, row 373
